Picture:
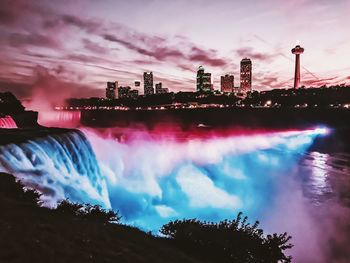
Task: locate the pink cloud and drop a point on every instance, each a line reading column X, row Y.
column 31, row 39
column 250, row 53
column 206, row 57
column 319, row 82
column 94, row 47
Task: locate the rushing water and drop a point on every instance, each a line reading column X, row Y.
column 318, row 208
column 7, row 122
column 288, row 184
column 60, row 166
column 294, row 181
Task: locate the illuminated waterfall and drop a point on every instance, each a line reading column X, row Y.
column 154, row 180
column 151, row 181
column 7, row 122
column 67, row 119
column 61, row 166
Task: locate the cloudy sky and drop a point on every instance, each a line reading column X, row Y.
column 82, row 44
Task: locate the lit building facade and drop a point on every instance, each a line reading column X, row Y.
column 246, row 75
column 203, row 81
column 227, row 83
column 123, row 92
column 148, row 83
column 127, row 92
column 111, row 90
column 158, row 87
column 160, row 90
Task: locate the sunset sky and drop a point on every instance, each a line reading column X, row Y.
column 82, row 44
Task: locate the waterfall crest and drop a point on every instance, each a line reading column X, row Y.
column 60, row 166
column 7, row 122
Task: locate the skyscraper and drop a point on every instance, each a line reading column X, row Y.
column 148, row 83
column 227, row 83
column 203, row 80
column 111, row 89
column 246, row 75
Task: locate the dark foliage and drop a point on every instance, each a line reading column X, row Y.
column 14, row 191
column 228, row 241
column 9, row 104
column 72, row 233
column 156, row 100
column 322, row 97
column 88, row 212
column 83, row 233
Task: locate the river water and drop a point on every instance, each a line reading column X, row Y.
column 318, row 212
column 303, row 190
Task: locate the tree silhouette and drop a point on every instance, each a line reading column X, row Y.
column 228, row 241
column 87, row 212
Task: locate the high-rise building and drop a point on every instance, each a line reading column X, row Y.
column 148, row 83
column 246, row 75
column 123, row 92
column 127, row 92
column 227, row 83
column 158, row 87
column 111, row 90
column 203, row 80
column 297, row 51
column 160, row 90
column 133, row 94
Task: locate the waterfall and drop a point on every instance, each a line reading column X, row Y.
column 60, row 166
column 151, row 181
column 68, row 119
column 154, row 179
column 7, row 122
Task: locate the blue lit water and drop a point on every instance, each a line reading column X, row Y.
column 277, row 178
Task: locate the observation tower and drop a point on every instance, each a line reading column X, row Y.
column 297, row 51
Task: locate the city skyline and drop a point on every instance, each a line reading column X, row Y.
column 85, row 43
column 204, row 82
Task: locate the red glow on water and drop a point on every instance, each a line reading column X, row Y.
column 167, row 131
column 176, row 133
column 7, row 122
column 64, row 119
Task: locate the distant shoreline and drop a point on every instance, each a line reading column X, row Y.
column 221, row 117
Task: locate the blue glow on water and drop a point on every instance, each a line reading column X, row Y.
column 61, row 166
column 151, row 182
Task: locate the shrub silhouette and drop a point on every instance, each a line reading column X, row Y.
column 96, row 213
column 228, row 241
column 73, row 233
column 67, row 208
column 12, row 189
column 14, row 192
column 82, row 233
column 87, row 212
